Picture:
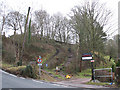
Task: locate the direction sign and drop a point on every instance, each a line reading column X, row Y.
column 39, row 60
column 46, row 65
column 40, row 64
column 40, row 57
column 87, row 56
column 92, row 60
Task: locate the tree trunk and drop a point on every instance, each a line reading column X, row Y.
column 3, row 23
column 22, row 51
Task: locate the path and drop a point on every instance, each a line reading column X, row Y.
column 79, row 83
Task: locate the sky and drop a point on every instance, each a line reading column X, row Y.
column 63, row 7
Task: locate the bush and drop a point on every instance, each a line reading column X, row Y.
column 19, row 63
column 113, row 68
column 118, row 63
column 15, row 70
column 28, row 71
column 8, row 57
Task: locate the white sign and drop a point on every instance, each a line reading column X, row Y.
column 86, row 58
column 46, row 65
column 40, row 57
column 39, row 64
column 57, row 68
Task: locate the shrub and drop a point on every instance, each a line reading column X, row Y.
column 28, row 72
column 113, row 68
column 8, row 57
column 19, row 63
column 118, row 63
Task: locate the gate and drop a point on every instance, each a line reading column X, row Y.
column 103, row 75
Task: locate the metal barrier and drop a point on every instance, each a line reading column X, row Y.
column 111, row 75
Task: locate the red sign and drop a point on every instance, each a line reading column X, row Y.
column 86, row 55
column 92, row 60
column 39, row 60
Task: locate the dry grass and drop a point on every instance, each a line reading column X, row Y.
column 47, row 78
column 6, row 65
column 14, row 69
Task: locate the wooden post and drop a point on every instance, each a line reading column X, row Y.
column 92, row 69
column 80, row 65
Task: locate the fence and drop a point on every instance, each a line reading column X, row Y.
column 103, row 73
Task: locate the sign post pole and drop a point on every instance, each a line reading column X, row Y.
column 80, row 65
column 39, row 61
column 92, row 69
column 39, row 70
column 56, row 70
column 87, row 57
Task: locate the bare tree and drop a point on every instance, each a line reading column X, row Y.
column 2, row 15
column 42, row 21
column 15, row 21
column 60, row 28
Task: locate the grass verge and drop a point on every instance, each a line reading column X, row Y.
column 102, row 84
column 94, row 83
column 54, row 73
column 84, row 74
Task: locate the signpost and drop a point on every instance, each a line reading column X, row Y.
column 57, row 70
column 89, row 57
column 92, row 69
column 40, row 57
column 39, row 61
column 46, row 65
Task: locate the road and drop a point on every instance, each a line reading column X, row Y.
column 12, row 81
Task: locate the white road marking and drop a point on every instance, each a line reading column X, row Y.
column 36, row 81
column 22, row 77
column 65, row 86
column 56, row 84
column 12, row 75
column 59, row 85
column 4, row 72
column 8, row 73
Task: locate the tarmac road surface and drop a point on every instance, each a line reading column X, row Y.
column 12, row 81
